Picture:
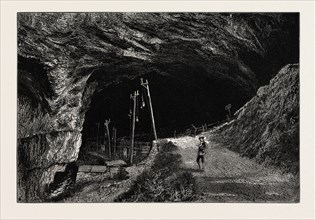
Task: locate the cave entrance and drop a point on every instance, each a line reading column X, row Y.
column 113, row 103
column 178, row 102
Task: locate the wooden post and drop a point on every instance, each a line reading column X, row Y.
column 114, row 141
column 194, row 129
column 106, row 123
column 133, row 125
column 98, row 125
column 227, row 107
column 146, row 86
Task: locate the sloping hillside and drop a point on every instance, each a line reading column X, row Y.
column 267, row 127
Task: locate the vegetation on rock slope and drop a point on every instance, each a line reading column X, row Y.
column 267, row 127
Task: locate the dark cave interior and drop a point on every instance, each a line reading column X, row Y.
column 188, row 95
column 176, row 103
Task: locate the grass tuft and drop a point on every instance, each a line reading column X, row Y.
column 163, row 182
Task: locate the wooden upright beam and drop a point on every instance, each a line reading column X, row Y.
column 134, row 98
column 146, row 86
column 106, row 123
column 98, row 129
column 114, row 141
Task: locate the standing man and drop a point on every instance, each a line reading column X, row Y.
column 201, row 152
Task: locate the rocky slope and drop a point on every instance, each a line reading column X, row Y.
column 64, row 59
column 267, row 127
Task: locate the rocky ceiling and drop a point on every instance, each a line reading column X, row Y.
column 209, row 58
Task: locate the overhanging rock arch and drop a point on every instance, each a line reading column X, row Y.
column 83, row 52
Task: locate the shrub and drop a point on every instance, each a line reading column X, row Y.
column 182, row 188
column 162, row 183
column 152, row 187
column 168, row 147
column 122, row 174
column 168, row 161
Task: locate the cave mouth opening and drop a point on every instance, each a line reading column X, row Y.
column 178, row 102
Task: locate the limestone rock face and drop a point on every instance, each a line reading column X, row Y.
column 64, row 58
column 267, row 127
column 40, row 157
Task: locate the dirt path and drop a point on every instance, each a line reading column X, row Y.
column 228, row 177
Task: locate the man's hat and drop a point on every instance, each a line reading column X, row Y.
column 202, row 137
